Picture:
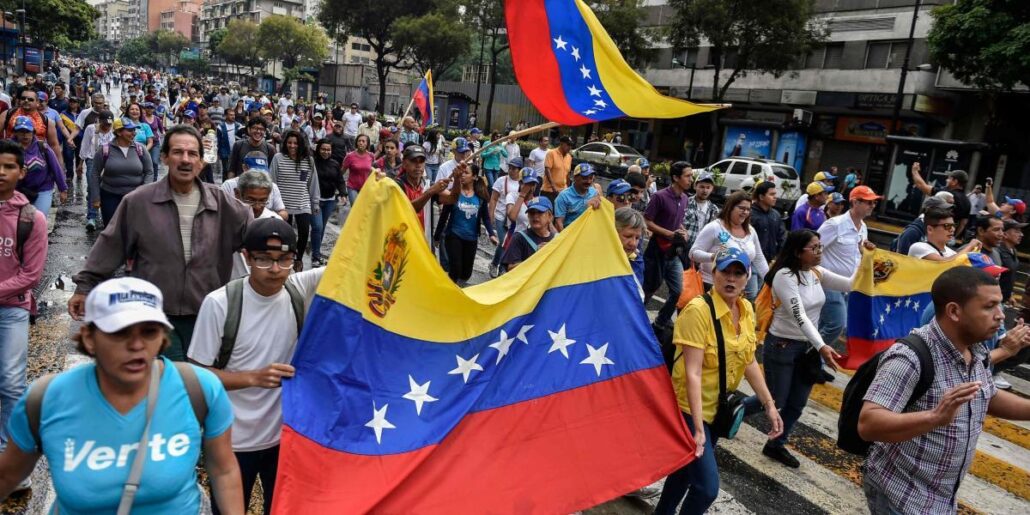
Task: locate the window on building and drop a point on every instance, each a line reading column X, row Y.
column 355, row 46
column 885, row 54
column 833, row 56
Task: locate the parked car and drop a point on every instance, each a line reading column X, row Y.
column 608, row 158
column 744, row 172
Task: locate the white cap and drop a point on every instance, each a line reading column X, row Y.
column 118, row 303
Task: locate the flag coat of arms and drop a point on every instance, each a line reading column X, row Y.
column 542, row 391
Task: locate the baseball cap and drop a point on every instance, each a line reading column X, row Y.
column 125, row 123
column 731, row 255
column 118, row 303
column 618, row 187
column 415, row 152
column 189, row 113
column 24, row 123
column 1016, row 203
column 823, row 176
column 148, row 105
column 583, row 169
column 1012, row 224
column 540, row 205
column 256, row 160
column 461, row 145
column 105, row 117
column 836, row 198
column 529, row 175
column 985, row 263
column 817, row 187
column 959, row 175
column 475, row 130
column 515, row 162
column 261, row 230
column 318, row 115
column 642, row 162
column 705, row 177
column 42, row 96
column 864, row 193
column 936, row 202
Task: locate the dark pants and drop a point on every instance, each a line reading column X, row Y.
column 658, row 269
column 108, row 205
column 254, row 464
column 69, row 161
column 699, row 480
column 461, row 255
column 180, row 336
column 303, row 223
column 788, row 388
column 318, row 224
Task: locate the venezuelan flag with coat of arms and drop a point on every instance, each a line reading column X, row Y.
column 542, row 391
column 890, row 293
column 573, row 73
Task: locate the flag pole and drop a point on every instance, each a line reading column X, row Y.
column 515, row 135
column 408, row 110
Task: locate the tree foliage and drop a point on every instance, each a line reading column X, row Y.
column 137, row 52
column 765, row 37
column 195, row 67
column 215, row 38
column 168, row 44
column 240, row 46
column 984, row 43
column 57, row 23
column 293, row 43
column 98, row 49
column 622, row 19
column 435, row 41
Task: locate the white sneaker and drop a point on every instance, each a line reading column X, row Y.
column 648, row 492
column 1001, row 383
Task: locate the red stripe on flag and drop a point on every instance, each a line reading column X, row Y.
column 556, row 454
column 533, row 58
column 860, row 350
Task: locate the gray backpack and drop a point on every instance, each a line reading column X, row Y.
column 234, row 297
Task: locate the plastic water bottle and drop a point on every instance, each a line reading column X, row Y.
column 210, row 147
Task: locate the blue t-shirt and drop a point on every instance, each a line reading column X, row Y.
column 570, row 204
column 465, row 218
column 143, row 133
column 90, row 445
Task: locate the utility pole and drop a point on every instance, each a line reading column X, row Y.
column 904, row 72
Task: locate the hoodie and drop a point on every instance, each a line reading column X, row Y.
column 914, row 232
column 19, row 278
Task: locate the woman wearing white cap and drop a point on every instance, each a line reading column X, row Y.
column 91, row 420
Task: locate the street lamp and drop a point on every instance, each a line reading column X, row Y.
column 21, row 38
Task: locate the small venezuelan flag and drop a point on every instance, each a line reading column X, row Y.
column 573, row 72
column 890, row 293
column 424, row 99
column 542, row 391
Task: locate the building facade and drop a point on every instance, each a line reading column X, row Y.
column 181, row 18
column 217, row 14
column 115, row 19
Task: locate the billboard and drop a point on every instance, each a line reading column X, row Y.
column 790, row 149
column 33, row 60
column 747, row 142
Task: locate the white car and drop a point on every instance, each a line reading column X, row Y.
column 744, row 172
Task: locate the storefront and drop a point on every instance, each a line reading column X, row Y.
column 937, row 157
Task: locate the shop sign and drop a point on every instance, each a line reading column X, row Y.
column 875, row 100
column 747, row 142
column 797, row 97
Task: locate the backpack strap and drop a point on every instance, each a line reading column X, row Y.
column 193, row 389
column 26, row 222
column 529, row 241
column 34, row 407
column 234, row 308
column 927, row 371
column 721, row 344
column 297, row 301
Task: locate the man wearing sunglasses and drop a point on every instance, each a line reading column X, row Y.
column 940, row 229
column 28, row 105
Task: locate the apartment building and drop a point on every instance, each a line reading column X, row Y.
column 115, row 19
column 217, row 14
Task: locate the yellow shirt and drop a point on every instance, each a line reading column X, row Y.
column 694, row 328
column 556, row 170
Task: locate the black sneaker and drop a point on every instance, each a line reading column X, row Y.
column 781, row 454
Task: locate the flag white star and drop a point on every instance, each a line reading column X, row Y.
column 559, row 342
column 589, row 112
column 575, row 53
column 379, row 422
column 597, row 358
column 915, row 306
column 560, row 43
column 522, row 334
column 876, row 332
column 881, row 319
column 466, row 366
column 600, row 103
column 897, row 304
column 502, row 345
column 908, row 302
column 419, row 394
column 594, row 92
column 585, row 71
column 888, row 309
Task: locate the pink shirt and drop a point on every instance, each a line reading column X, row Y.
column 358, row 167
column 16, row 278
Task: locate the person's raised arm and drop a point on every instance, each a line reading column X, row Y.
column 918, row 181
column 991, row 206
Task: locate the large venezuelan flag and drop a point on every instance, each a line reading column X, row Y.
column 542, row 391
column 571, row 70
column 889, row 296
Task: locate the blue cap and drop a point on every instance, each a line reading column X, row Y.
column 529, row 175
column 461, row 145
column 583, row 169
column 515, row 162
column 837, row 198
column 732, row 255
column 24, row 123
column 475, row 130
column 705, row 177
column 42, row 96
column 539, row 204
column 259, row 164
column 189, row 113
column 125, row 123
column 642, row 162
column 618, row 187
column 148, row 105
column 161, row 109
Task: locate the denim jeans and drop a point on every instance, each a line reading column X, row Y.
column 352, row 195
column 109, row 204
column 44, row 200
column 834, row 316
column 491, row 176
column 878, row 502
column 433, row 169
column 318, row 224
column 658, row 268
column 699, row 480
column 14, row 351
column 501, row 231
column 788, row 389
column 155, row 157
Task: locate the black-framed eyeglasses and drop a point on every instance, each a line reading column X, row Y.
column 27, row 99
column 265, row 262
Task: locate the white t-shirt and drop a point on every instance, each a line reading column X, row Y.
column 446, row 169
column 275, row 200
column 707, row 244
column 503, row 186
column 283, row 104
column 267, row 334
column 521, row 221
column 239, row 263
column 803, row 324
column 842, row 243
column 351, row 121
column 537, row 158
column 922, row 249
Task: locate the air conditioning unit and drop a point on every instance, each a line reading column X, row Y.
column 802, row 117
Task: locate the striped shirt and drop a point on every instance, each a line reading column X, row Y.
column 922, row 475
column 187, row 205
column 292, row 179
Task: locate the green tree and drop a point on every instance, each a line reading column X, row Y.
column 56, row 23
column 215, row 38
column 194, row 67
column 984, row 43
column 97, row 49
column 435, row 41
column 137, row 52
column 376, row 24
column 240, row 46
column 622, row 20
column 294, row 44
column 168, row 43
column 489, row 17
column 746, row 36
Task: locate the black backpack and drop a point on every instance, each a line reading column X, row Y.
column 851, row 406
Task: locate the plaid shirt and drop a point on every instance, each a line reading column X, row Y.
column 922, row 475
column 695, row 217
